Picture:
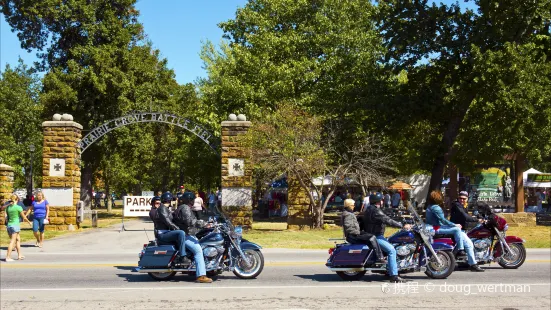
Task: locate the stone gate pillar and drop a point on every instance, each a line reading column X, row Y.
column 6, row 189
column 299, row 216
column 236, row 172
column 61, row 170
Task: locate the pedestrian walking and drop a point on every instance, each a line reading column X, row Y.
column 13, row 212
column 198, row 205
column 41, row 213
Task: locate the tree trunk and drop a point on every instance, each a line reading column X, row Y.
column 440, row 162
column 519, row 184
column 107, row 194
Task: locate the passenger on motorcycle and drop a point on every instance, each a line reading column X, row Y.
column 374, row 223
column 165, row 229
column 353, row 234
column 186, row 221
column 435, row 217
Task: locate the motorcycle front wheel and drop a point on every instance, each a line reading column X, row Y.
column 251, row 271
column 162, row 276
column 514, row 259
column 351, row 275
column 441, row 270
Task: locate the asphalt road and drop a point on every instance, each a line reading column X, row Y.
column 92, row 270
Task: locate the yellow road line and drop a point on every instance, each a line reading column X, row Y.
column 15, row 265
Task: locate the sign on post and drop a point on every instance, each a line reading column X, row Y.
column 136, row 206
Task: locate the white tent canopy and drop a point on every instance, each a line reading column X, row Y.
column 533, row 184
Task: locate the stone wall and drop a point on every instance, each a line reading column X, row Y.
column 299, row 216
column 6, row 189
column 61, row 169
column 236, row 174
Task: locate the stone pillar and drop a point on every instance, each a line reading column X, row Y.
column 6, row 189
column 236, row 172
column 61, row 170
column 299, row 216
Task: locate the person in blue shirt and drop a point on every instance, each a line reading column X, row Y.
column 41, row 212
column 435, row 217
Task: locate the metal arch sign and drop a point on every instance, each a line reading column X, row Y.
column 146, row 117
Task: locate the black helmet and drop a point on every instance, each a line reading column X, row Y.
column 186, row 198
column 166, row 197
column 374, row 198
column 156, row 198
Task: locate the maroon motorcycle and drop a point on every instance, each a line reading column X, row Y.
column 491, row 244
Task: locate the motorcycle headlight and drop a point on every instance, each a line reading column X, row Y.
column 237, row 232
column 505, row 227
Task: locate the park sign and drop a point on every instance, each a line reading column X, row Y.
column 146, row 117
column 136, row 206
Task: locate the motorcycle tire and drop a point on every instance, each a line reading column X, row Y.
column 448, row 267
column 351, row 276
column 257, row 265
column 162, row 276
column 519, row 258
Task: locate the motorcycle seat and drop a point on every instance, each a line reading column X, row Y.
column 159, row 242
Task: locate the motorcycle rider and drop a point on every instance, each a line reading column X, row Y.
column 165, row 229
column 458, row 213
column 374, row 223
column 186, row 221
column 353, row 234
column 435, row 217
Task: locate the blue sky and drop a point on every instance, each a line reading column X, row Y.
column 175, row 27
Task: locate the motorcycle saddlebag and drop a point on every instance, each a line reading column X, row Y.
column 353, row 255
column 157, row 256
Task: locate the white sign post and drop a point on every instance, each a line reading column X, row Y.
column 135, row 206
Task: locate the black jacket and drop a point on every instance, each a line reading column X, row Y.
column 162, row 218
column 459, row 215
column 186, row 220
column 375, row 220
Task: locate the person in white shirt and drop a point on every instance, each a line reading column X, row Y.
column 365, row 203
column 198, row 205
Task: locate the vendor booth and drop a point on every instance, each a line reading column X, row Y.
column 538, row 190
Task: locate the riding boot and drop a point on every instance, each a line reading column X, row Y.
column 377, row 248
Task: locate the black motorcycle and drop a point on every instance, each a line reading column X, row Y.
column 223, row 247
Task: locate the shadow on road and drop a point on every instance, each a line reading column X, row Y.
column 367, row 278
column 23, row 246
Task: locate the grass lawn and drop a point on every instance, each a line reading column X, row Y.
column 104, row 220
column 536, row 237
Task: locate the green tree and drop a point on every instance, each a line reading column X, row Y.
column 310, row 53
column 460, row 66
column 21, row 122
column 293, row 142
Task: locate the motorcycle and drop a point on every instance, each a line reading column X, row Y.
column 491, row 244
column 224, row 249
column 415, row 251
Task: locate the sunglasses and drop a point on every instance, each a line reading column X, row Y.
column 157, row 202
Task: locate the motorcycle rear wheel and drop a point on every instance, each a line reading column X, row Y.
column 351, row 275
column 249, row 272
column 440, row 271
column 515, row 259
column 162, row 276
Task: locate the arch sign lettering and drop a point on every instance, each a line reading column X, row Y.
column 147, row 117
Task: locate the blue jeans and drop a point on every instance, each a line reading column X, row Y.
column 469, row 248
column 193, row 245
column 178, row 236
column 389, row 249
column 456, row 232
column 38, row 224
